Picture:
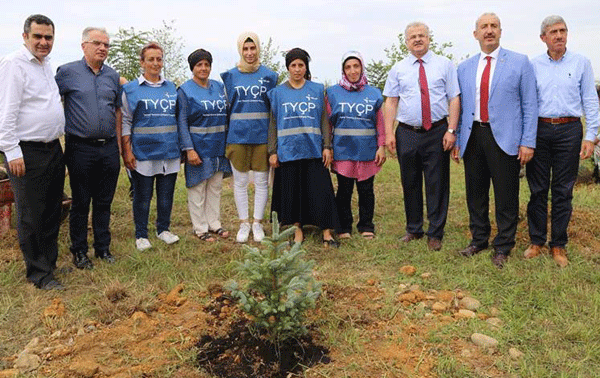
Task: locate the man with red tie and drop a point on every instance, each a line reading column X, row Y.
column 422, row 94
column 496, row 134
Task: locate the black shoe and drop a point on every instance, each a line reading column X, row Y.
column 81, row 261
column 499, row 259
column 52, row 285
column 471, row 250
column 106, row 256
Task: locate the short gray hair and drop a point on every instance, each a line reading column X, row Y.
column 551, row 21
column 86, row 32
column 487, row 14
column 415, row 25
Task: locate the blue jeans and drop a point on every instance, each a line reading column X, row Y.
column 143, row 186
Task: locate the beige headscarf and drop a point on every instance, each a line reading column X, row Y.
column 242, row 65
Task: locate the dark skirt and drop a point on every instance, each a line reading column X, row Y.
column 303, row 193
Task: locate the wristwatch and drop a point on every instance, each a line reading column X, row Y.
column 451, row 131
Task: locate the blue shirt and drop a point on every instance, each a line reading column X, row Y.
column 90, row 99
column 566, row 89
column 403, row 82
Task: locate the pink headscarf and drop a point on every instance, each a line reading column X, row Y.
column 347, row 84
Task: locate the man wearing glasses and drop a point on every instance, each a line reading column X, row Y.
column 92, row 102
column 31, row 121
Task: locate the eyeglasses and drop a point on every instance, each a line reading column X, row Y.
column 98, row 44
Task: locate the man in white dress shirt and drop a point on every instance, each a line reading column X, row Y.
column 31, row 121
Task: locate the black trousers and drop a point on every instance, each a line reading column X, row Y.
column 93, row 175
column 554, row 167
column 366, row 204
column 484, row 161
column 38, row 197
column 421, row 155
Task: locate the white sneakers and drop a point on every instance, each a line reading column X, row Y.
column 142, row 244
column 257, row 232
column 168, row 237
column 243, row 233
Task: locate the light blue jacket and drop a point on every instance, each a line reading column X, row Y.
column 513, row 105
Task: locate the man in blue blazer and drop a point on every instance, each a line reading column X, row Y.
column 496, row 134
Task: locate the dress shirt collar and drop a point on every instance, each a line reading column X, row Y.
column 494, row 54
column 142, row 80
column 85, row 63
column 567, row 52
column 425, row 58
column 30, row 57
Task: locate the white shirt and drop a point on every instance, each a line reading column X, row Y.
column 30, row 106
column 147, row 167
column 482, row 63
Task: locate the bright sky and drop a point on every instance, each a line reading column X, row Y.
column 325, row 28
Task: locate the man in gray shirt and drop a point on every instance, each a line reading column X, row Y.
column 92, row 101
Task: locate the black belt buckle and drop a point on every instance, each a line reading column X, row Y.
column 481, row 124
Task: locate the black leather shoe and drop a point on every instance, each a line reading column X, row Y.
column 434, row 244
column 52, row 285
column 471, row 251
column 498, row 259
column 81, row 261
column 410, row 237
column 106, row 256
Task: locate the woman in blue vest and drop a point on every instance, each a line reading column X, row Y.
column 354, row 109
column 202, row 123
column 300, row 152
column 151, row 145
column 247, row 85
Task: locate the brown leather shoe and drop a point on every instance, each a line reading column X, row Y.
column 471, row 250
column 533, row 251
column 434, row 244
column 498, row 259
column 559, row 254
column 410, row 237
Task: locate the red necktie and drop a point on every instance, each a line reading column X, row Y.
column 425, row 105
column 484, row 91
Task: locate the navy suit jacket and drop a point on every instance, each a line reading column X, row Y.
column 512, row 107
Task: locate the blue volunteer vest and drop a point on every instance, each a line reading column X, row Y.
column 207, row 117
column 298, row 113
column 354, row 120
column 154, row 128
column 249, row 106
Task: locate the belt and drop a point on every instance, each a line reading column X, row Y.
column 29, row 143
column 559, row 120
column 481, row 124
column 442, row 121
column 90, row 141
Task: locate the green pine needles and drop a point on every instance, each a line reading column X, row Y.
column 281, row 287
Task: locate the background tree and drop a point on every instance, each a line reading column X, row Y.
column 126, row 44
column 268, row 57
column 377, row 71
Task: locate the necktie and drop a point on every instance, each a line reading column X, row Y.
column 425, row 105
column 484, row 91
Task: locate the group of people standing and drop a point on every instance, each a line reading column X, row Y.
column 497, row 111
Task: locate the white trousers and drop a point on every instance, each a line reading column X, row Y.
column 204, row 202
column 240, row 192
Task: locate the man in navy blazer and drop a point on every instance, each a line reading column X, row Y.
column 495, row 136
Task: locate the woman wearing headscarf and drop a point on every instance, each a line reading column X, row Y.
column 150, row 145
column 247, row 85
column 300, row 152
column 202, row 124
column 354, row 110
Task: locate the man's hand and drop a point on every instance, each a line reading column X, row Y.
column 380, row 156
column 327, row 157
column 274, row 161
column 17, row 167
column 448, row 141
column 525, row 154
column 390, row 143
column 129, row 159
column 587, row 149
column 455, row 154
column 193, row 158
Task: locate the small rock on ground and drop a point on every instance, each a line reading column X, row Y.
column 484, row 341
column 469, row 303
column 408, row 270
column 515, row 354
